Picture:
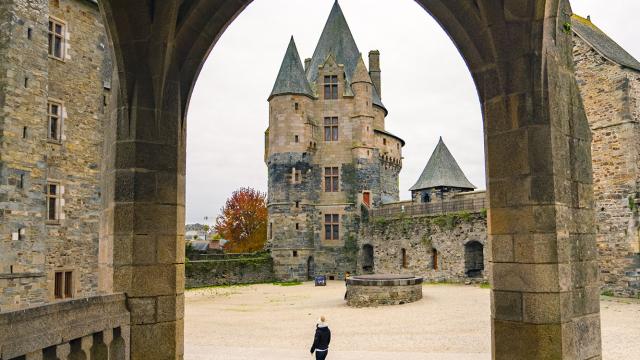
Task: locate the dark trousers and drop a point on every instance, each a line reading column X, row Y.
column 321, row 355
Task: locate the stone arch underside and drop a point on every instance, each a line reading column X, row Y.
column 537, row 143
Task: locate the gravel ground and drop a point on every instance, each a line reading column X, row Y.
column 278, row 322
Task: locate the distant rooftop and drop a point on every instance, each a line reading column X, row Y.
column 602, row 43
column 442, row 170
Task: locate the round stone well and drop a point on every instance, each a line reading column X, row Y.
column 381, row 289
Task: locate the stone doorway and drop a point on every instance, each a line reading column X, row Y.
column 367, row 258
column 537, row 145
column 473, row 259
column 311, row 268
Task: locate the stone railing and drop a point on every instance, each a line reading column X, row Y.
column 472, row 205
column 95, row 328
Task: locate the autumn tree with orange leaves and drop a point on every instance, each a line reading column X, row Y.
column 243, row 221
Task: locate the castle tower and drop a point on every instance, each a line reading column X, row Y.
column 328, row 155
column 441, row 177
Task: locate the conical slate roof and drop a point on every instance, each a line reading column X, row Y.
column 442, row 170
column 602, row 43
column 291, row 78
column 337, row 39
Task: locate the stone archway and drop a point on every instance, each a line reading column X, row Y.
column 537, row 144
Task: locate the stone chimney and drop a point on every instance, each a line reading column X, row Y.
column 307, row 63
column 374, row 70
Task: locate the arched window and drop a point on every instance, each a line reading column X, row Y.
column 434, row 259
column 403, row 253
column 367, row 258
column 473, row 259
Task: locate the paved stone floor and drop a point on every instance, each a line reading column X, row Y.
column 275, row 322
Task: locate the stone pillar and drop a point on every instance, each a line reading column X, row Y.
column 100, row 348
column 36, row 355
column 147, row 204
column 62, row 351
column 545, row 302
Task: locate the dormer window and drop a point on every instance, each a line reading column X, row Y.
column 331, row 87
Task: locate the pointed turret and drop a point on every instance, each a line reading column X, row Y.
column 337, row 39
column 291, row 78
column 361, row 75
column 442, row 170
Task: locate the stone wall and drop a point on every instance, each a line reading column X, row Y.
column 202, row 273
column 611, row 96
column 31, row 247
column 96, row 327
column 451, row 235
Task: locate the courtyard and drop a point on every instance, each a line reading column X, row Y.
column 277, row 322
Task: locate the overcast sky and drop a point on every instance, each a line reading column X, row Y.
column 425, row 86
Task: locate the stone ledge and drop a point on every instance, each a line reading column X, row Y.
column 21, row 275
column 32, row 329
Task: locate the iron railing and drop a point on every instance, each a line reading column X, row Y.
column 434, row 208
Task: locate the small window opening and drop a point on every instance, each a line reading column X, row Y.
column 29, row 33
column 384, row 141
column 21, row 182
column 296, row 106
column 295, row 253
column 434, row 260
column 10, row 269
column 331, row 277
column 26, row 82
column 297, row 226
column 63, row 284
column 404, row 258
column 296, row 138
column 270, row 230
column 24, row 132
column 297, row 204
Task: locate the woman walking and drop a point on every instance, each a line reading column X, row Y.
column 321, row 339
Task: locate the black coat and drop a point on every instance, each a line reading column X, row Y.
column 322, row 339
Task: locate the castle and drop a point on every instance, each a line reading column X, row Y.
column 328, row 155
column 446, row 236
column 55, row 80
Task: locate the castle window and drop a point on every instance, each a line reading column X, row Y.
column 270, row 230
column 24, row 132
column 384, row 141
column 296, row 106
column 297, row 226
column 331, row 87
column 296, row 176
column 53, row 202
column 332, row 227
column 21, row 182
column 56, row 39
column 331, row 179
column 54, row 114
column 403, row 253
column 29, row 33
column 296, row 138
column 297, row 204
column 331, row 129
column 63, row 284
